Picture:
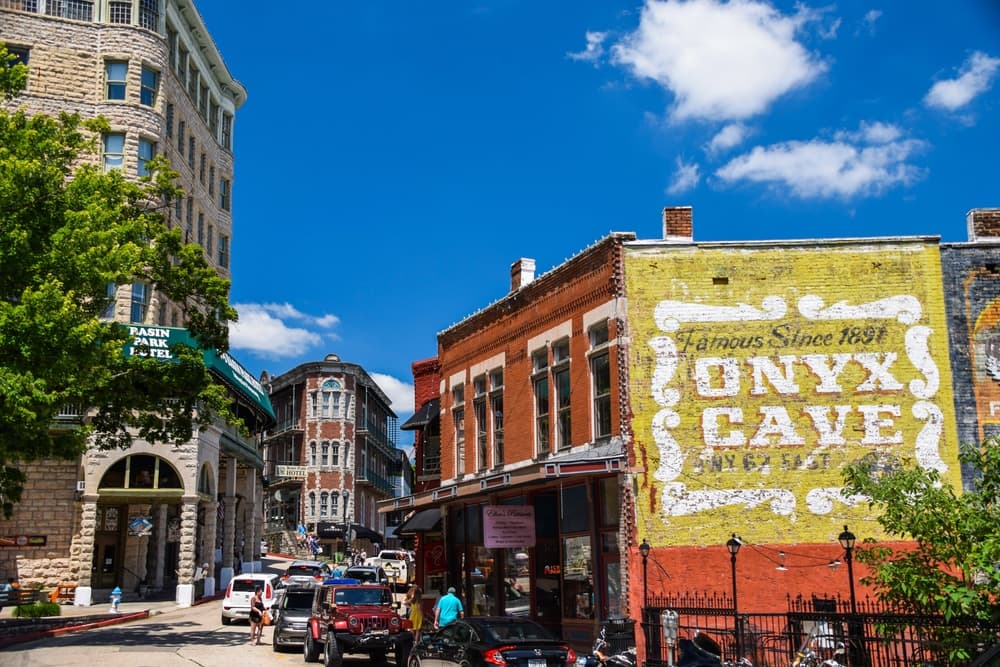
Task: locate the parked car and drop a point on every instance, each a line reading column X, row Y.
column 368, row 574
column 305, row 572
column 236, row 602
column 290, row 616
column 485, row 641
column 396, row 563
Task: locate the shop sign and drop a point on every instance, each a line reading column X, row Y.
column 23, row 541
column 508, row 526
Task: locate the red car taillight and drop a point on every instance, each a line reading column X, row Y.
column 494, row 656
column 229, row 589
column 570, row 655
column 267, row 591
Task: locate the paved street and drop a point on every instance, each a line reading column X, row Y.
column 193, row 636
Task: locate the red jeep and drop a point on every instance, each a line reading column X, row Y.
column 356, row 618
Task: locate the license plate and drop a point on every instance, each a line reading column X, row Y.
column 536, row 663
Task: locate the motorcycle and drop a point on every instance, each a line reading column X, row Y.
column 703, row 651
column 600, row 656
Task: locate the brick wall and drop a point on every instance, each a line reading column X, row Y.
column 47, row 508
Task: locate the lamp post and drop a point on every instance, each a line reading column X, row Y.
column 644, row 552
column 733, row 545
column 847, row 540
column 345, row 494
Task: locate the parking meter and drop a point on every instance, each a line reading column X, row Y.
column 669, row 623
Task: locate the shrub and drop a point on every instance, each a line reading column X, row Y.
column 37, row 610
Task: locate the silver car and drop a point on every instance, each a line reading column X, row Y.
column 290, row 616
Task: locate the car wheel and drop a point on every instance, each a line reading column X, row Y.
column 332, row 656
column 274, row 642
column 403, row 650
column 309, row 649
column 226, row 620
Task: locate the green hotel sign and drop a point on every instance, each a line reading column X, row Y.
column 152, row 341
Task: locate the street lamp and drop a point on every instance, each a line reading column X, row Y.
column 847, row 540
column 733, row 545
column 644, row 552
column 345, row 494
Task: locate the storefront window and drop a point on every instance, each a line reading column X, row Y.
column 578, row 578
column 517, row 582
column 483, row 601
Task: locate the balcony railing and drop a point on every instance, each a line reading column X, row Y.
column 294, row 424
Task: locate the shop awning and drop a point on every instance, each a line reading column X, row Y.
column 427, row 413
column 326, row 530
column 423, row 521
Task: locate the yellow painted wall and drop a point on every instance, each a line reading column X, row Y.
column 758, row 372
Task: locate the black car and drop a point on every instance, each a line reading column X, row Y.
column 485, row 641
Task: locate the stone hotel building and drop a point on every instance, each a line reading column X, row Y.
column 151, row 68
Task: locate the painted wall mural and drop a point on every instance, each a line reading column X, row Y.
column 758, row 373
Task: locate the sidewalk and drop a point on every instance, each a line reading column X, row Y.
column 84, row 618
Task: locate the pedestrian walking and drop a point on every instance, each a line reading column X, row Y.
column 448, row 609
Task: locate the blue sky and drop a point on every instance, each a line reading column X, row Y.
column 394, row 158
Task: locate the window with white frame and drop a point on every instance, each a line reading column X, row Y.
column 496, row 414
column 191, row 151
column 149, row 14
column 169, row 120
column 561, row 385
column 147, row 149
column 113, row 154
column 115, row 76
column 120, row 12
column 479, row 410
column 312, row 454
column 150, row 84
column 324, row 503
column 224, row 202
column 324, row 454
column 312, row 503
column 227, row 131
column 600, row 380
column 331, row 399
column 111, row 294
column 140, row 302
column 458, row 422
column 78, row 10
column 334, row 505
column 223, row 251
column 335, row 454
column 540, row 389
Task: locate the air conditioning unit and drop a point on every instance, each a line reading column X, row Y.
column 81, row 486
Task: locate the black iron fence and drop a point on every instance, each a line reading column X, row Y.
column 814, row 631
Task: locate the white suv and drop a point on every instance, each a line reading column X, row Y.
column 236, row 603
column 396, row 563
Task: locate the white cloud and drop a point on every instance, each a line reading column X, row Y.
column 686, row 177
column 854, row 164
column 731, row 135
column 869, row 19
column 594, row 50
column 263, row 329
column 400, row 393
column 975, row 77
column 720, row 60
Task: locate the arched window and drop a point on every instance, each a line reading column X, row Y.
column 312, row 503
column 325, row 454
column 324, row 503
column 205, row 480
column 334, row 454
column 145, row 472
column 312, row 453
column 330, row 399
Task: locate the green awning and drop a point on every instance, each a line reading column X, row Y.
column 155, row 341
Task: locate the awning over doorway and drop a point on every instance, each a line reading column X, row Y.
column 422, row 522
column 335, row 531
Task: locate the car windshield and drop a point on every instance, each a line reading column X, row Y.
column 377, row 596
column 364, row 576
column 246, row 585
column 299, row 600
column 303, row 571
column 505, row 632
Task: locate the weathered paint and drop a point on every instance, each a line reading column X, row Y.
column 757, row 373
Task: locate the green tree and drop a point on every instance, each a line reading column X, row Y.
column 68, row 230
column 951, row 567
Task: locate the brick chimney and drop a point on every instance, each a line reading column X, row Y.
column 983, row 223
column 522, row 272
column 678, row 223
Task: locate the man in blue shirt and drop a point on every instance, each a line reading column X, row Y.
column 448, row 609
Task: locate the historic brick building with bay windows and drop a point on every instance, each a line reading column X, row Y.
column 331, row 457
